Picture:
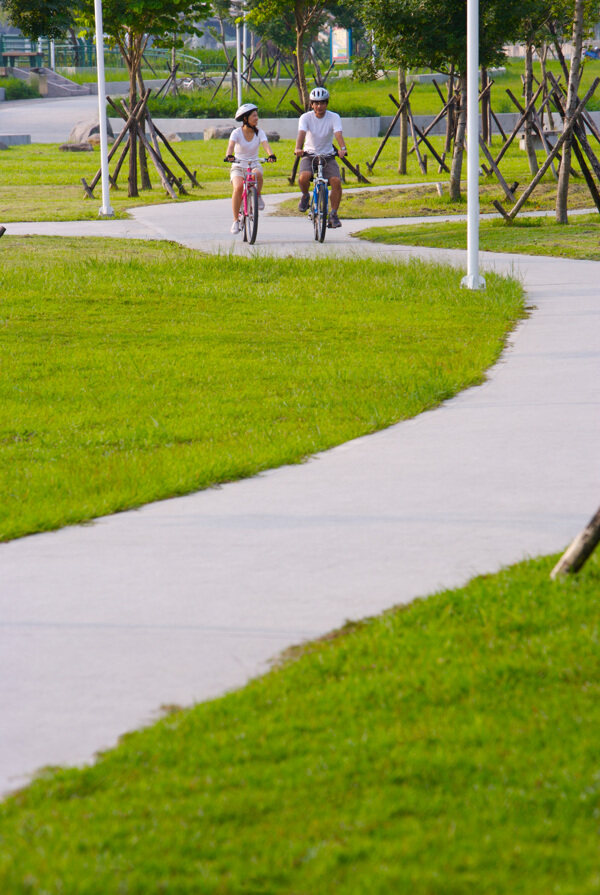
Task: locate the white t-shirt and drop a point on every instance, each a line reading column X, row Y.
column 247, row 151
column 319, row 131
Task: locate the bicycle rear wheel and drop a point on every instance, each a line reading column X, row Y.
column 251, row 219
column 321, row 214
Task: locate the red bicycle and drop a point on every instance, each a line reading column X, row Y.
column 248, row 215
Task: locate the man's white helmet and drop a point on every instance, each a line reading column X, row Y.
column 245, row 110
column 318, row 94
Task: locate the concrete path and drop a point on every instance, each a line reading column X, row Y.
column 181, row 600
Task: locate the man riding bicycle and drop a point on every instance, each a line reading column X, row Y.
column 316, row 130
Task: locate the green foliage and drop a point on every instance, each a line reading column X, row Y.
column 201, row 105
column 17, row 89
column 41, row 18
column 448, row 747
column 428, row 33
column 364, row 69
column 180, row 377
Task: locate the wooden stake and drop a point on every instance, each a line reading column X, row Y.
column 580, row 550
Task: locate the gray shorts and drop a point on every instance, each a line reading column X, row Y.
column 330, row 167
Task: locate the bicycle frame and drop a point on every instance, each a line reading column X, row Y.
column 248, row 214
column 319, row 205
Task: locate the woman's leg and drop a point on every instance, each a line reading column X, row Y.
column 236, row 198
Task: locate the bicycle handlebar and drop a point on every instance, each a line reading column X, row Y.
column 232, row 160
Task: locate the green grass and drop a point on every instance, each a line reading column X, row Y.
column 135, row 371
column 41, row 183
column 446, row 748
column 528, row 236
column 417, row 201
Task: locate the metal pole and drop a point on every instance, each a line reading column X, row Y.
column 106, row 210
column 473, row 280
column 244, row 38
column 52, row 55
column 238, row 40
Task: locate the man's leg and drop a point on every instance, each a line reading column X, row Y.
column 335, row 185
column 304, row 184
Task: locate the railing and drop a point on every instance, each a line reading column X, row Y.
column 83, row 55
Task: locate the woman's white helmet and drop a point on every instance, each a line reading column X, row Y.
column 244, row 110
column 319, row 94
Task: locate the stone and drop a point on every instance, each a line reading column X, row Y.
column 84, row 130
column 76, row 147
column 3, row 145
column 273, row 137
column 217, row 133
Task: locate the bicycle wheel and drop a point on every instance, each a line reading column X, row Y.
column 251, row 219
column 321, row 216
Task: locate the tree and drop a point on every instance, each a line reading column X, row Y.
column 433, row 34
column 40, row 18
column 305, row 17
column 130, row 25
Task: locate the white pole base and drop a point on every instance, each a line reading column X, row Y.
column 106, row 212
column 473, row 281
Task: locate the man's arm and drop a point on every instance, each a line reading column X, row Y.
column 339, row 138
column 300, row 143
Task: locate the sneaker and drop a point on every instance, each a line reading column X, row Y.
column 235, row 227
column 333, row 221
column 304, row 202
column 261, row 203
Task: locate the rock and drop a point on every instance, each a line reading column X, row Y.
column 76, row 147
column 3, row 145
column 273, row 137
column 84, row 130
column 217, row 133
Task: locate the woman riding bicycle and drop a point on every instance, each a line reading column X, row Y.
column 243, row 147
column 316, row 130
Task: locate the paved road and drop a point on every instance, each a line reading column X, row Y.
column 183, row 599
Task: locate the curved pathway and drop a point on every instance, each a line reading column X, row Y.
column 181, row 600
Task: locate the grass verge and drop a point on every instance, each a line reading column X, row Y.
column 136, row 371
column 447, row 747
column 526, row 236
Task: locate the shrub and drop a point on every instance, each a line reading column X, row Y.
column 17, row 89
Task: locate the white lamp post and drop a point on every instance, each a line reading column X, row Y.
column 238, row 40
column 106, row 210
column 473, row 280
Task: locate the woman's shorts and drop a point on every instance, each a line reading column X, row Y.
column 330, row 167
column 239, row 170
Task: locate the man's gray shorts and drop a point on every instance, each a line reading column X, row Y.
column 330, row 167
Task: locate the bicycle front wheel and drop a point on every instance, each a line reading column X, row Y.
column 251, row 221
column 321, row 215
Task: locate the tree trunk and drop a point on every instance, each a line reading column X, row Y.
column 302, row 88
column 574, row 79
column 403, row 153
column 132, row 178
column 459, row 141
column 529, row 147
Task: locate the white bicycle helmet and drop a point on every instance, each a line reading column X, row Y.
column 244, row 110
column 319, row 94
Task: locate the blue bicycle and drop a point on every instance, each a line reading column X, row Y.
column 319, row 201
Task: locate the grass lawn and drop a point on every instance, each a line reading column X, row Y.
column 135, row 371
column 528, row 236
column 41, row 183
column 423, row 199
column 447, row 747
